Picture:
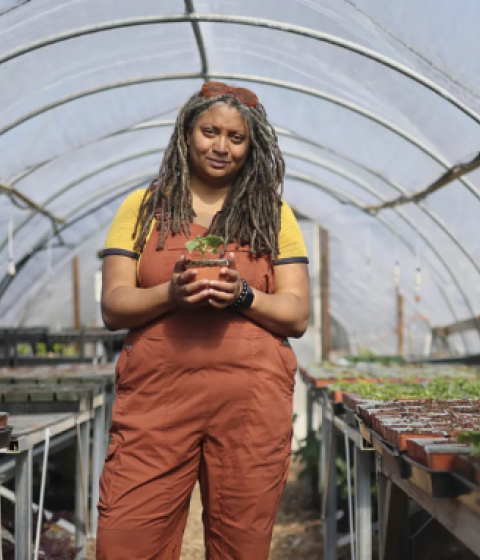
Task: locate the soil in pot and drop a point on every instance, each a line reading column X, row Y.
column 208, row 269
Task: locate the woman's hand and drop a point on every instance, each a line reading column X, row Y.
column 224, row 293
column 183, row 290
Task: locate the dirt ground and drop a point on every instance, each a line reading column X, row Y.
column 297, row 534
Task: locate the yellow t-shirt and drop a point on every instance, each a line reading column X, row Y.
column 119, row 239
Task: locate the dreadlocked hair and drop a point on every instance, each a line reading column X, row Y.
column 250, row 214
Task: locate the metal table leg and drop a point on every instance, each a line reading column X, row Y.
column 322, row 463
column 309, row 411
column 109, row 400
column 363, row 505
column 81, row 488
column 23, row 506
column 329, row 487
column 98, row 451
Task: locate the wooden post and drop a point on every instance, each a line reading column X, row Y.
column 76, row 294
column 325, row 294
column 400, row 337
column 317, row 291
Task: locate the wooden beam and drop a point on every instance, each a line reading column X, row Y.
column 400, row 331
column 325, row 294
column 76, row 294
column 13, row 192
column 457, row 328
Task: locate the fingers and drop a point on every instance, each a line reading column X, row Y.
column 184, row 289
column 230, row 273
column 186, row 277
column 199, row 297
column 233, row 262
column 179, row 265
column 229, row 287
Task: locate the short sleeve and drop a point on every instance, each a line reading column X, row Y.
column 119, row 239
column 292, row 247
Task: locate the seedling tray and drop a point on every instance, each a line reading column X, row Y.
column 439, row 484
column 435, row 453
column 5, row 436
column 36, row 399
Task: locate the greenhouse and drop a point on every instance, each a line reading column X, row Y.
column 375, row 108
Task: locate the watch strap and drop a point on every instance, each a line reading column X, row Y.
column 245, row 299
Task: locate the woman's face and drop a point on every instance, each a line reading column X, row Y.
column 218, row 145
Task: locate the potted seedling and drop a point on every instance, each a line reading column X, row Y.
column 207, row 268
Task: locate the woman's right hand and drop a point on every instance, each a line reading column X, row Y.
column 183, row 290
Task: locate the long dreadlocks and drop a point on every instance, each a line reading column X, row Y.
column 250, row 214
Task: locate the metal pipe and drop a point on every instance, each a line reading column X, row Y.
column 341, row 197
column 330, row 167
column 253, row 22
column 190, row 9
column 13, row 192
column 248, row 78
column 7, row 280
column 42, row 493
column 23, row 505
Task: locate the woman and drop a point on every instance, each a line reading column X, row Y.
column 205, row 379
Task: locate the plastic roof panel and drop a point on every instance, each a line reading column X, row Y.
column 370, row 102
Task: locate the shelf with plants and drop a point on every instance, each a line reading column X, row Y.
column 327, row 375
column 437, row 433
column 425, row 413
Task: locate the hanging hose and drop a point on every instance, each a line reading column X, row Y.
column 42, row 493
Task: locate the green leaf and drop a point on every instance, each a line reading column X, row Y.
column 214, row 241
column 192, row 245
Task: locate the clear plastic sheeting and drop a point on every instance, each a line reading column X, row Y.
column 370, row 100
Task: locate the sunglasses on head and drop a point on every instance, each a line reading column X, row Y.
column 217, row 89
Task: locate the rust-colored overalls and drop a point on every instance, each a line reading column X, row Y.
column 201, row 395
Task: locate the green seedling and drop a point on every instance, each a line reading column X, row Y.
column 205, row 244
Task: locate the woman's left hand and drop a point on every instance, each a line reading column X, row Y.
column 223, row 293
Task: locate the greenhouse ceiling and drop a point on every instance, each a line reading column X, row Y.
column 377, row 108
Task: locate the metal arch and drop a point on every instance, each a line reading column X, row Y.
column 332, row 168
column 256, row 79
column 363, row 185
column 331, row 191
column 80, row 180
column 395, row 186
column 351, row 178
column 190, row 8
column 253, row 22
column 139, row 180
column 7, row 280
column 338, row 196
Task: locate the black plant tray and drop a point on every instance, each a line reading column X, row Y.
column 5, row 436
column 439, row 484
column 41, row 407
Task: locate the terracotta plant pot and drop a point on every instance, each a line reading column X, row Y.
column 436, row 453
column 208, row 269
column 351, row 400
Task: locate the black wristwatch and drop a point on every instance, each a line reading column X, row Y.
column 245, row 299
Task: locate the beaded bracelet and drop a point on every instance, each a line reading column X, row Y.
column 243, row 294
